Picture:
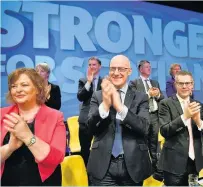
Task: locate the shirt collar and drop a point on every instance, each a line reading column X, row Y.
column 181, row 100
column 143, row 78
column 124, row 88
column 96, row 77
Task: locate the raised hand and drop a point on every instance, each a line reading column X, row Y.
column 107, row 88
column 196, row 116
column 191, row 110
column 14, row 143
column 90, row 75
column 16, row 125
column 154, row 92
column 116, row 98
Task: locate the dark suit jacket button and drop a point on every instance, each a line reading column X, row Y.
column 129, row 126
column 187, row 138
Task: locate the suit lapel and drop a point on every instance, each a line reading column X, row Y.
column 140, row 85
column 153, row 83
column 129, row 97
column 99, row 83
column 177, row 104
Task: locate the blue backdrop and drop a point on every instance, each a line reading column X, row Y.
column 66, row 34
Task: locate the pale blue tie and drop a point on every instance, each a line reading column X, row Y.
column 151, row 102
column 117, row 145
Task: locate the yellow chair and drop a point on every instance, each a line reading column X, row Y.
column 152, row 182
column 161, row 139
column 73, row 126
column 74, row 171
column 201, row 177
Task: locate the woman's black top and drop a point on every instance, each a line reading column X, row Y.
column 21, row 169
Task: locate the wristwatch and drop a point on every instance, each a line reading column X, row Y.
column 32, row 141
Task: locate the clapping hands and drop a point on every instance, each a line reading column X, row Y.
column 110, row 96
column 154, row 92
column 192, row 110
column 90, row 75
column 20, row 132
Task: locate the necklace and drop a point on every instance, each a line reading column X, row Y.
column 30, row 120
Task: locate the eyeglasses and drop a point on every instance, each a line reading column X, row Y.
column 120, row 69
column 181, row 84
column 176, row 69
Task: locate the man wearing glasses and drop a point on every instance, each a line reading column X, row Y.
column 118, row 118
column 182, row 127
column 151, row 88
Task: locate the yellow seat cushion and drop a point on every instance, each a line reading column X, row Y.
column 152, row 182
column 73, row 171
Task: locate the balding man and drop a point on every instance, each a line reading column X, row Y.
column 119, row 120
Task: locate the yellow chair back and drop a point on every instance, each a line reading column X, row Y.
column 74, row 171
column 73, row 126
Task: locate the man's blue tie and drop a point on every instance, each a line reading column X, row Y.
column 117, row 145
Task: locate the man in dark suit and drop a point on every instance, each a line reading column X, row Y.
column 152, row 89
column 182, row 127
column 118, row 118
column 86, row 88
